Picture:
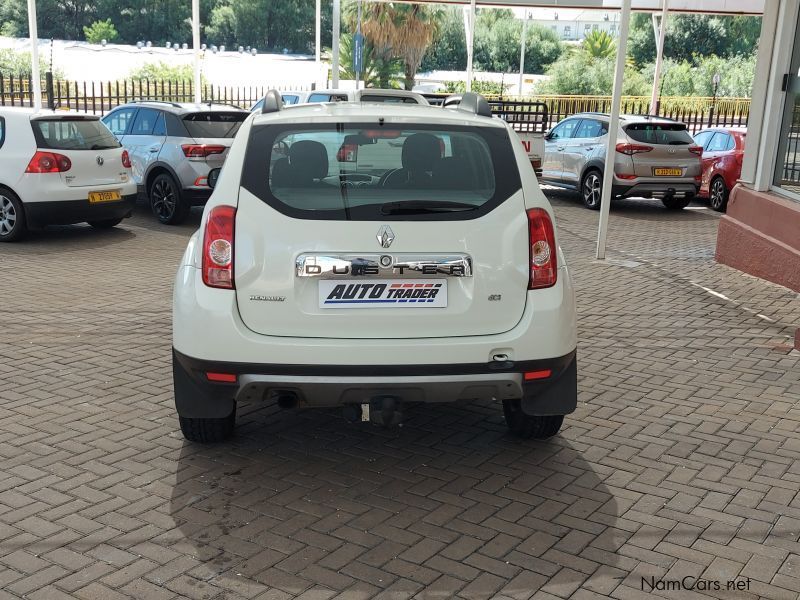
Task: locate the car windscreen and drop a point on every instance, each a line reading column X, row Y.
column 214, row 124
column 368, row 171
column 72, row 134
column 659, row 133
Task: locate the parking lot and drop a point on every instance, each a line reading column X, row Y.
column 680, row 462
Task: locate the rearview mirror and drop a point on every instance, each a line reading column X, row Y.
column 213, row 175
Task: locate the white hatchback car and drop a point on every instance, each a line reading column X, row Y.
column 60, row 168
column 366, row 256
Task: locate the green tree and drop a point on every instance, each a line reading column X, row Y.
column 19, row 64
column 579, row 74
column 376, row 71
column 163, row 71
column 599, row 44
column 448, row 50
column 99, row 31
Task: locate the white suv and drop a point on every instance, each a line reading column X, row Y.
column 59, row 167
column 366, row 256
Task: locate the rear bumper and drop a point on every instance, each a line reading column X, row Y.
column 655, row 190
column 339, row 385
column 196, row 196
column 65, row 212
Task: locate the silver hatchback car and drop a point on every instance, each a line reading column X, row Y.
column 173, row 146
column 655, row 158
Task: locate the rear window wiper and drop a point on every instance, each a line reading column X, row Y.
column 424, row 206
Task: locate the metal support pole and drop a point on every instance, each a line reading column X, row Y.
column 355, row 49
column 337, row 16
column 36, row 82
column 318, row 34
column 613, row 129
column 470, row 42
column 522, row 51
column 659, row 55
column 198, row 92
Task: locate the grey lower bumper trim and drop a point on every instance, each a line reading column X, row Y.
column 335, row 391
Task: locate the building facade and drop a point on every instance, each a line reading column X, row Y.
column 760, row 234
column 573, row 25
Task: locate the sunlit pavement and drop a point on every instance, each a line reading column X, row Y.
column 681, row 461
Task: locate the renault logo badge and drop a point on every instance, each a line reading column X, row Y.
column 385, row 236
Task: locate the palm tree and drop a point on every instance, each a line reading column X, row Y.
column 599, row 44
column 397, row 30
column 376, row 71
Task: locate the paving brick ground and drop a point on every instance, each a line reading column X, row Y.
column 681, row 461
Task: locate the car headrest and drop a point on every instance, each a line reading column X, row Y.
column 309, row 159
column 421, row 151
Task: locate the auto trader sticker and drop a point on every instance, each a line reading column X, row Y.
column 383, row 293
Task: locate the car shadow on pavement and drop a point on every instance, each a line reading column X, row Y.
column 448, row 503
column 52, row 238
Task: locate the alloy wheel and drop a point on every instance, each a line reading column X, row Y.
column 717, row 194
column 8, row 216
column 592, row 190
column 163, row 199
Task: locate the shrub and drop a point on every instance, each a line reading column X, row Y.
column 580, row 74
column 99, row 31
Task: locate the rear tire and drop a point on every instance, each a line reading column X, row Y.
column 718, row 194
column 166, row 200
column 592, row 189
column 12, row 217
column 676, row 203
column 105, row 224
column 208, row 431
column 539, row 427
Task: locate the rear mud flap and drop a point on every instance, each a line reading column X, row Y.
column 557, row 395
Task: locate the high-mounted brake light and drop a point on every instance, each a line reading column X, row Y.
column 631, row 149
column 201, row 150
column 126, row 159
column 696, row 150
column 48, row 162
column 218, row 247
column 543, row 251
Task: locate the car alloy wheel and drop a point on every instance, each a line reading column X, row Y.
column 8, row 216
column 718, row 194
column 592, row 190
column 164, row 199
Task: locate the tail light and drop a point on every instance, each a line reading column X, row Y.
column 536, row 163
column 347, row 153
column 218, row 247
column 201, row 150
column 631, row 149
column 126, row 159
column 48, row 162
column 698, row 150
column 542, row 238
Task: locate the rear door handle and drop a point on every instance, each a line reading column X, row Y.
column 589, row 147
column 559, row 148
column 155, row 148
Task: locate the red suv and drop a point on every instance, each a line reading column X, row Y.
column 723, row 148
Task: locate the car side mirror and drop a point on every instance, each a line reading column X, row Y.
column 213, row 175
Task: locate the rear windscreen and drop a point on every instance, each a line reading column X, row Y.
column 214, row 125
column 388, row 99
column 374, row 171
column 73, row 134
column 659, row 133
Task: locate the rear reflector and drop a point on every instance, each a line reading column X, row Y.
column 221, row 377
column 534, row 375
column 625, row 176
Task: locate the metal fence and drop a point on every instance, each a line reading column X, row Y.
column 99, row 98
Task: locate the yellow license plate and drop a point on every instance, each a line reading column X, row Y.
column 668, row 172
column 95, row 197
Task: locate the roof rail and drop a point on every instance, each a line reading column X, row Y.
column 273, row 102
column 469, row 102
column 175, row 104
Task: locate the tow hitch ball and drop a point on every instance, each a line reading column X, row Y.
column 381, row 410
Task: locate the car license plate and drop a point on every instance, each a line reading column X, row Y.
column 668, row 172
column 383, row 293
column 111, row 196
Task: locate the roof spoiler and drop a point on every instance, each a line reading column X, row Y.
column 469, row 102
column 272, row 102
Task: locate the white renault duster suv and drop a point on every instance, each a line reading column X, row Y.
column 371, row 255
